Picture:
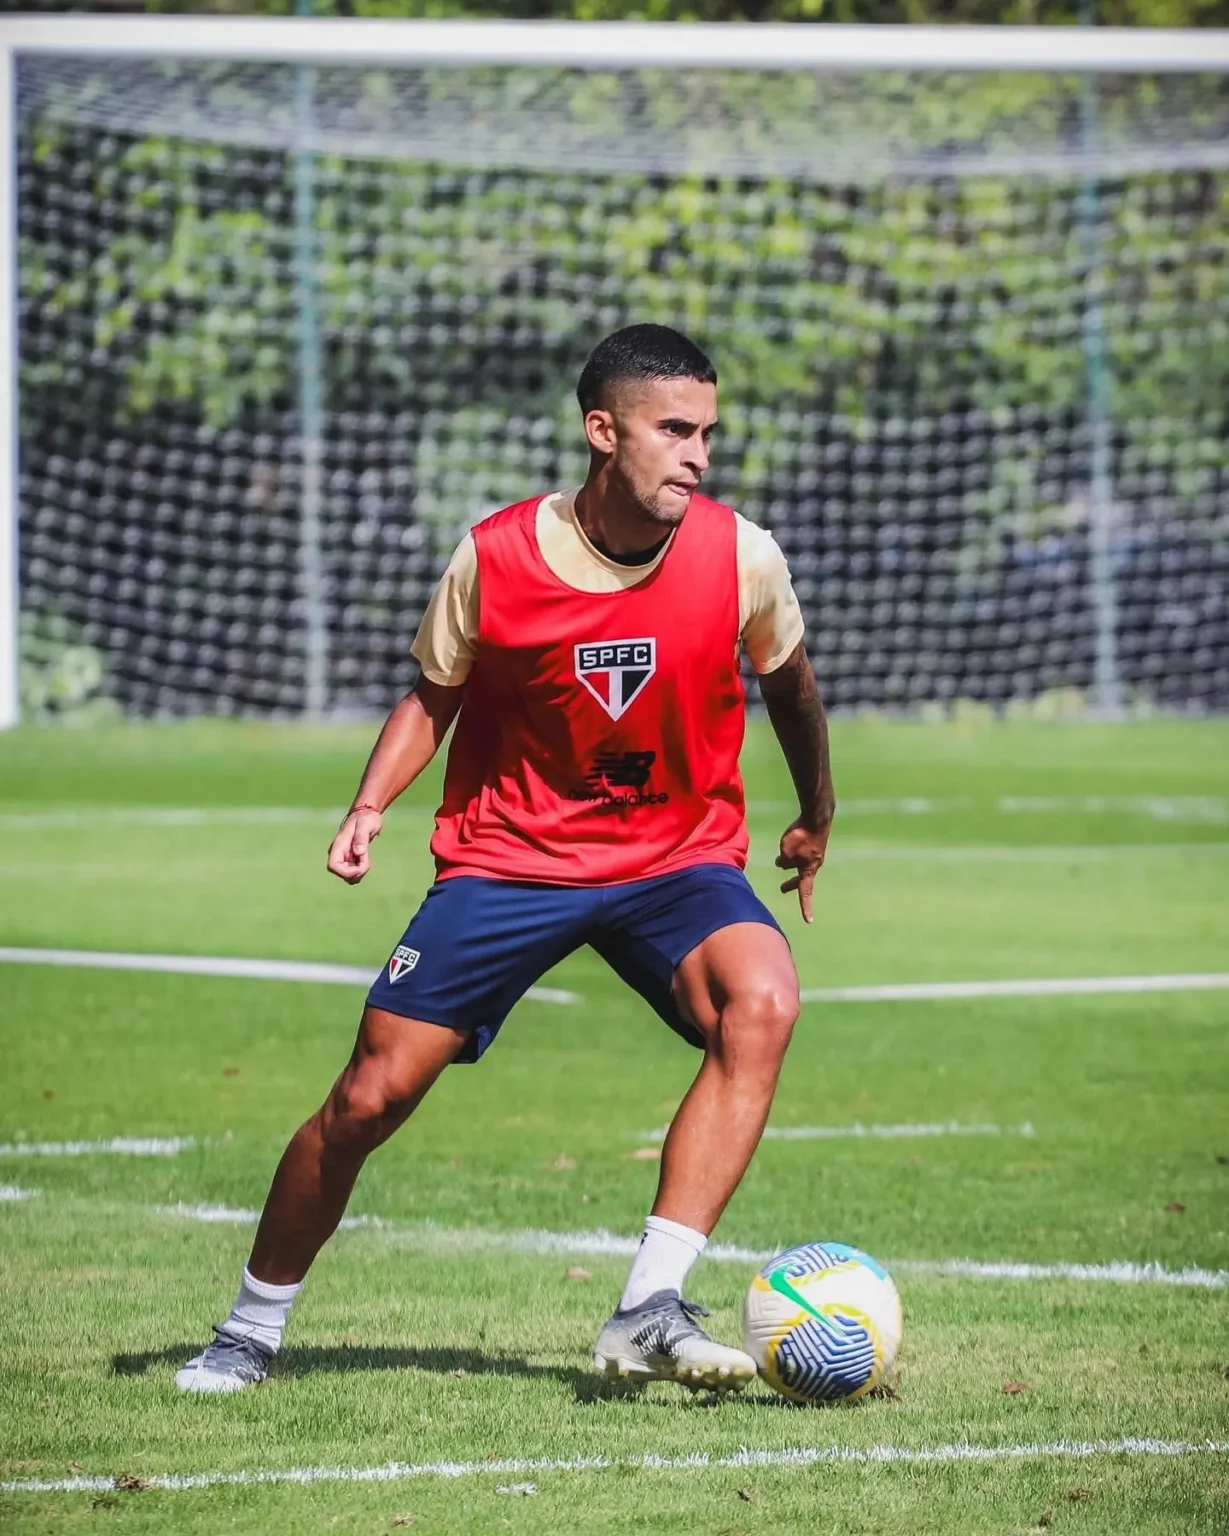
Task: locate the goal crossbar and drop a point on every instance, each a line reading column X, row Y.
column 623, row 45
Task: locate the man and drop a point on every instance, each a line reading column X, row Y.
column 587, row 645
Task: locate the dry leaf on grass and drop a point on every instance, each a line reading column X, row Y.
column 563, row 1163
column 1014, row 1388
column 403, row 1519
column 645, row 1155
column 129, row 1482
column 747, row 1495
column 576, row 1273
column 1176, row 1206
column 1078, row 1495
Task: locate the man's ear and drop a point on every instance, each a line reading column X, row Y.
column 600, row 430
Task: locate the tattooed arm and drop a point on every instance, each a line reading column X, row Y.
column 797, row 715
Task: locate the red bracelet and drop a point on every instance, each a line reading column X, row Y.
column 354, row 808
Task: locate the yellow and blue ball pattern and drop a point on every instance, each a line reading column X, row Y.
column 823, row 1323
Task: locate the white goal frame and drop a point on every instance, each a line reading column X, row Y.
column 581, row 45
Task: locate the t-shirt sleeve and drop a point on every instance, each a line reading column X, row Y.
column 447, row 639
column 770, row 620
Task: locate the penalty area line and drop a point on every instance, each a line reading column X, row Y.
column 697, row 1461
column 232, row 967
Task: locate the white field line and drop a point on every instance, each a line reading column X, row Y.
column 116, row 1146
column 229, row 966
column 11, row 1192
column 1063, row 986
column 180, row 816
column 858, row 1131
column 976, row 853
column 351, row 975
column 231, row 1216
column 1118, row 1271
column 697, row 1461
column 1205, row 809
column 610, row 1244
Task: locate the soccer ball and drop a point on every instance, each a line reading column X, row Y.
column 822, row 1322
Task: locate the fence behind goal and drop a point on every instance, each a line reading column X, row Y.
column 287, row 330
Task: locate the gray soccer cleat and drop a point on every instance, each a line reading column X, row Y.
column 227, row 1365
column 660, row 1340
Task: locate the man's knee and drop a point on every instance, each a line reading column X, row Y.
column 758, row 1020
column 363, row 1108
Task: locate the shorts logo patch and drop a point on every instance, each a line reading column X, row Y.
column 616, row 671
column 404, row 960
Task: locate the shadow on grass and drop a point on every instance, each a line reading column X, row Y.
column 586, row 1385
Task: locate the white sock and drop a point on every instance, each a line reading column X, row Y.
column 663, row 1261
column 260, row 1312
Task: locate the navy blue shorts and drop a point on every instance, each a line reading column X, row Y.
column 476, row 946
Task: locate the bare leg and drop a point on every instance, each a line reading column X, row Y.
column 740, row 989
column 394, row 1063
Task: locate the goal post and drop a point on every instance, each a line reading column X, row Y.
column 293, row 300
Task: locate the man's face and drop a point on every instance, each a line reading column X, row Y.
column 657, row 437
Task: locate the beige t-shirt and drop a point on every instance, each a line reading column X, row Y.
column 769, row 618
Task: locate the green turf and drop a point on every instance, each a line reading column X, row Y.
column 1025, row 851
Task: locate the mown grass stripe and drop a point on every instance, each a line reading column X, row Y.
column 699, row 1461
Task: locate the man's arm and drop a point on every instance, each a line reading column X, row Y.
column 410, row 739
column 797, row 716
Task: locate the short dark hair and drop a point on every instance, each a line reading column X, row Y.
column 640, row 353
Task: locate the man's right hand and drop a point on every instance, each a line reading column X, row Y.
column 350, row 850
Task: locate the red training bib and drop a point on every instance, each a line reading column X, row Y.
column 599, row 736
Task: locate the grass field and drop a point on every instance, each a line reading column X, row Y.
column 444, row 1334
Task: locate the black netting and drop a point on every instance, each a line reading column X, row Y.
column 905, row 393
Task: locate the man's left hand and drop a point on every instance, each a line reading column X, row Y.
column 804, row 846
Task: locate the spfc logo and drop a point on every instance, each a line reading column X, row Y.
column 615, row 671
column 403, row 962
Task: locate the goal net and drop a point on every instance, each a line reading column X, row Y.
column 286, row 331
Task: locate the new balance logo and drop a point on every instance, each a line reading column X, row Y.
column 618, row 781
column 403, row 962
column 620, row 770
column 616, row 671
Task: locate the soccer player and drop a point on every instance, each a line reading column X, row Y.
column 587, row 645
